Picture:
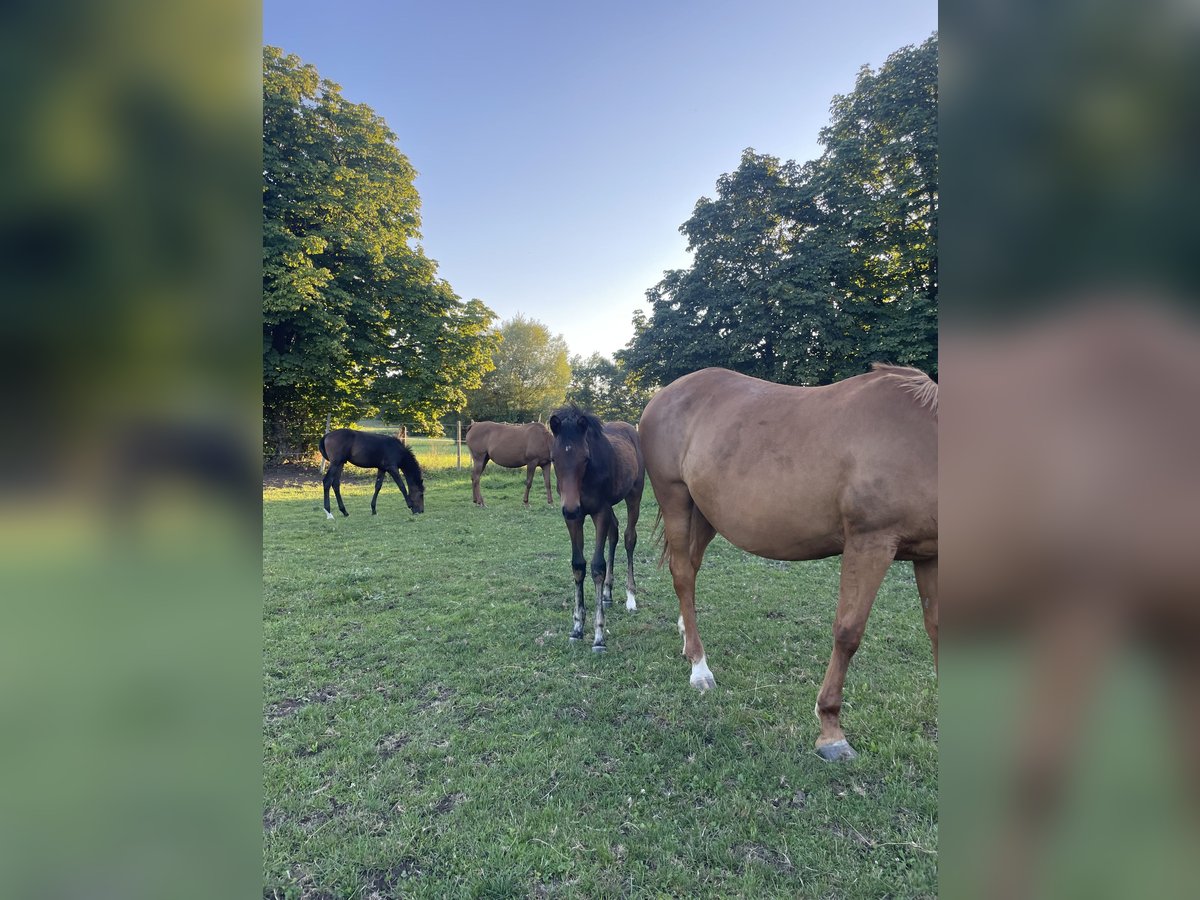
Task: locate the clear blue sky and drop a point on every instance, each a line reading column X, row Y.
column 560, row 145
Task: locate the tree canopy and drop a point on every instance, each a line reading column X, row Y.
column 804, row 274
column 529, row 374
column 356, row 320
column 604, row 387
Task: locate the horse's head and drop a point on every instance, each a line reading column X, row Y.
column 571, row 453
column 416, row 483
column 416, row 493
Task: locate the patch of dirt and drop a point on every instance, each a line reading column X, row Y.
column 448, row 803
column 768, row 856
column 931, row 731
column 292, row 475
column 436, row 696
column 388, row 884
column 287, row 707
column 553, row 888
column 390, row 745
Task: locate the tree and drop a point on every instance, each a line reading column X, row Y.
column 529, row 377
column 355, row 318
column 806, row 274
column 604, row 387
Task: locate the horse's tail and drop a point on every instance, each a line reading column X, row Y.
column 322, row 446
column 659, row 535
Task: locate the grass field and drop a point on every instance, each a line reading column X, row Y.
column 429, row 731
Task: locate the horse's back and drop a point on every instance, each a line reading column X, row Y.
column 510, row 446
column 786, row 472
column 627, row 448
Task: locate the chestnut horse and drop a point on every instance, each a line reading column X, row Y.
column 510, row 446
column 371, row 451
column 849, row 468
column 597, row 465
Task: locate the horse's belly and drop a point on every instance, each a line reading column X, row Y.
column 779, row 527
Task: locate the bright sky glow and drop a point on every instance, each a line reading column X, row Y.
column 561, row 145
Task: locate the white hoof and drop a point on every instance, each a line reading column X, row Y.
column 328, row 515
column 702, row 677
column 630, row 601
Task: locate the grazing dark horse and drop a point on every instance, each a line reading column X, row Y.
column 800, row 473
column 597, row 465
column 371, row 451
column 510, row 446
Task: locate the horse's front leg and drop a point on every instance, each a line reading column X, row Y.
column 395, row 473
column 864, row 563
column 603, row 520
column 546, row 478
column 529, row 472
column 578, row 570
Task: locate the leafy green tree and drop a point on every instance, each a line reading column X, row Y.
column 355, row 319
column 604, row 387
column 529, row 377
column 806, row 274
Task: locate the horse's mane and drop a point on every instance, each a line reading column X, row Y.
column 924, row 389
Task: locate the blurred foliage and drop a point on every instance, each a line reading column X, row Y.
column 130, row 243
column 804, row 274
column 529, row 374
column 1071, row 163
column 605, row 388
column 355, row 319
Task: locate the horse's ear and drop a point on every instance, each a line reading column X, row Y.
column 554, row 424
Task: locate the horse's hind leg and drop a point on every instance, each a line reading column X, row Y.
column 378, row 484
column 926, row 571
column 529, row 470
column 335, row 476
column 864, row 563
column 633, row 506
column 478, row 464
column 613, row 534
column 546, row 478
column 326, row 481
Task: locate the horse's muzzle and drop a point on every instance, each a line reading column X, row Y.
column 572, row 515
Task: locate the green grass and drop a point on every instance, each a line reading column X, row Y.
column 430, row 731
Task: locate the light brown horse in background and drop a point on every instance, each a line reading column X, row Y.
column 796, row 473
column 510, row 446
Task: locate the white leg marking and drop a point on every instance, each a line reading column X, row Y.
column 681, row 623
column 630, row 601
column 328, row 515
column 702, row 676
column 816, row 712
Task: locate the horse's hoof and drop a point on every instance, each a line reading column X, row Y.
column 599, row 648
column 706, row 683
column 577, row 637
column 329, row 515
column 344, row 513
column 836, row 751
column 372, row 512
column 630, row 601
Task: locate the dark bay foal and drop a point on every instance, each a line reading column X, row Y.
column 371, row 451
